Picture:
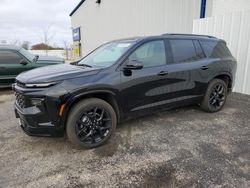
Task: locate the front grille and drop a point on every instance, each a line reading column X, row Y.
column 21, row 100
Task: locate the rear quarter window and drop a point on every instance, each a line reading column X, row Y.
column 215, row 49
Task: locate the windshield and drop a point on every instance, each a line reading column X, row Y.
column 27, row 54
column 106, row 55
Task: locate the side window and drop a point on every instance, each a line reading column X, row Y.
column 208, row 47
column 183, row 50
column 8, row 57
column 215, row 49
column 150, row 54
column 221, row 50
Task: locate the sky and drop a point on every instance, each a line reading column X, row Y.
column 29, row 20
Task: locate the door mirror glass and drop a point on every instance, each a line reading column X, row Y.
column 23, row 62
column 134, row 64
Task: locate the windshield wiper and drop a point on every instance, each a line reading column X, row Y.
column 84, row 65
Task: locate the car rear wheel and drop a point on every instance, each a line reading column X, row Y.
column 215, row 97
column 91, row 122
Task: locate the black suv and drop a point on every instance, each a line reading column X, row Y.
column 121, row 79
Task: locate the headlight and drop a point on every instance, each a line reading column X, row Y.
column 40, row 85
column 36, row 101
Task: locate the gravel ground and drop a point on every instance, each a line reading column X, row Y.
column 179, row 148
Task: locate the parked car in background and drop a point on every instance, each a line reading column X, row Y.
column 14, row 60
column 123, row 79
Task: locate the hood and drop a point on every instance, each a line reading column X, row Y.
column 55, row 73
column 53, row 59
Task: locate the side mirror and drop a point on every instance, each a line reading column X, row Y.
column 23, row 62
column 134, row 65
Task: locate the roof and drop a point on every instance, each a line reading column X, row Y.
column 188, row 35
column 77, row 7
column 9, row 47
column 174, row 35
column 167, row 36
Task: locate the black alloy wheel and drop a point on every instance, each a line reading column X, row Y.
column 215, row 97
column 91, row 122
column 94, row 125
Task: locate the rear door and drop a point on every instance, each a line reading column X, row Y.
column 10, row 66
column 190, row 67
column 219, row 58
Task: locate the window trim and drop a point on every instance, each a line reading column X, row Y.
column 169, row 53
column 195, row 46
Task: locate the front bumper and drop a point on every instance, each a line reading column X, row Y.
column 32, row 127
column 38, row 110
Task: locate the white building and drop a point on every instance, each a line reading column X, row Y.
column 230, row 20
column 114, row 19
column 97, row 21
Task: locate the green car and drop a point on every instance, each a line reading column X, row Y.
column 14, row 60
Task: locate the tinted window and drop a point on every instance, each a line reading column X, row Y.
column 221, row 50
column 150, row 54
column 199, row 52
column 7, row 57
column 183, row 50
column 208, row 47
column 215, row 49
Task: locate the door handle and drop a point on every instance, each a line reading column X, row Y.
column 204, row 68
column 162, row 73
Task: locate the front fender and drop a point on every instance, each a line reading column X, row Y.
column 78, row 95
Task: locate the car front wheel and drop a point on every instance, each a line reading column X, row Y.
column 91, row 122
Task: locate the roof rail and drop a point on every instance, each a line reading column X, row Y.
column 180, row 34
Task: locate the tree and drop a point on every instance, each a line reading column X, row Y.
column 66, row 48
column 25, row 45
column 41, row 46
column 47, row 37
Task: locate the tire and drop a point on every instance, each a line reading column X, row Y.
column 83, row 127
column 210, row 97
